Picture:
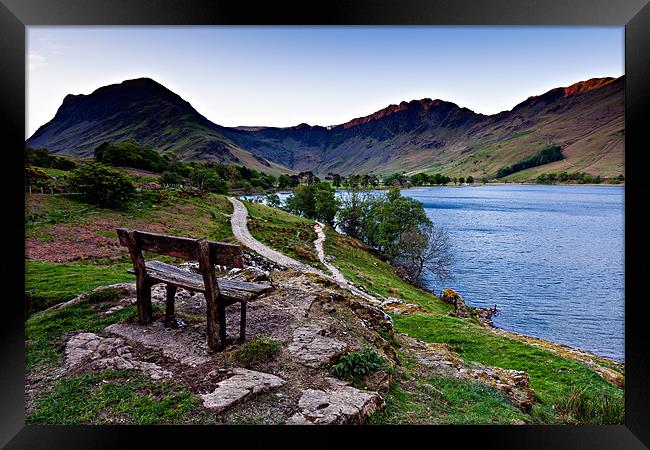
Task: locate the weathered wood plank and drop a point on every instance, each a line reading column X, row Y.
column 161, row 244
column 229, row 255
column 166, row 273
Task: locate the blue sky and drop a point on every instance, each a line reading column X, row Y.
column 282, row 76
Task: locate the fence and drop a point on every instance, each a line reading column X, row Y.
column 48, row 190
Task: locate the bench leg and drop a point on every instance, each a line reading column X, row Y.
column 169, row 305
column 242, row 322
column 221, row 311
column 143, row 289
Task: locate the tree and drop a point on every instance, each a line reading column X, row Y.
column 352, row 213
column 102, row 185
column 461, row 180
column 387, row 217
column 169, row 177
column 273, row 200
column 314, row 201
column 424, row 249
column 325, row 203
column 470, row 179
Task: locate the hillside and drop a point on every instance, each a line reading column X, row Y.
column 586, row 119
column 439, row 368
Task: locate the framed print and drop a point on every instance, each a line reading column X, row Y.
column 413, row 219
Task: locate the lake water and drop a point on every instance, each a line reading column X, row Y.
column 550, row 257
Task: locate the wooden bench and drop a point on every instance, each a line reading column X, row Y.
column 218, row 292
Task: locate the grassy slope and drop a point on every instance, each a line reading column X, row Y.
column 57, row 224
column 290, row 234
column 551, row 376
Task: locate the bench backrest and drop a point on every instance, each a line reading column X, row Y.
column 221, row 253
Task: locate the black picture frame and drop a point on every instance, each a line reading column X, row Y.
column 15, row 15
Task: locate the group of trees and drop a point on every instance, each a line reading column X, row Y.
column 42, row 158
column 394, row 225
column 576, row 177
column 549, row 154
column 315, row 201
column 206, row 176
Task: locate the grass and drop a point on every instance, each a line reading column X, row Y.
column 52, row 283
column 182, row 213
column 585, row 407
column 285, row 232
column 45, row 331
column 419, row 399
column 117, row 397
column 551, row 375
column 257, row 350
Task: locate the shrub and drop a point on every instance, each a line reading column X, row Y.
column 102, row 185
column 449, row 296
column 584, row 407
column 259, row 349
column 355, row 365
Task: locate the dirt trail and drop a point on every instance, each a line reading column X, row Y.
column 240, row 230
column 318, row 243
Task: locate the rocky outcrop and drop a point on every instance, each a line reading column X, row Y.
column 445, row 362
column 242, row 385
column 337, row 404
column 313, row 348
column 102, row 353
column 394, row 305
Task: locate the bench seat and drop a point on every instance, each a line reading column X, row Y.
column 232, row 291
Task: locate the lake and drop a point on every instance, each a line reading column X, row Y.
column 550, row 257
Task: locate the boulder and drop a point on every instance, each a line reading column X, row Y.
column 335, row 405
column 242, row 385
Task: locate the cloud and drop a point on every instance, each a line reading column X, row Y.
column 36, row 60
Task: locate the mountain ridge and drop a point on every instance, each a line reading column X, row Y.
column 418, row 135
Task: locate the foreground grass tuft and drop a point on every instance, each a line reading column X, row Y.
column 257, row 350
column 584, row 407
column 116, row 397
column 353, row 366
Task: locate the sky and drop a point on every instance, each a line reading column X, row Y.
column 284, row 76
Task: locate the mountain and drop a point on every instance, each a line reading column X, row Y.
column 146, row 111
column 586, row 119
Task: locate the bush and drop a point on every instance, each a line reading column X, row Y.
column 449, row 296
column 102, row 186
column 355, row 365
column 259, row 349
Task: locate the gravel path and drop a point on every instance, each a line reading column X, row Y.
column 238, row 221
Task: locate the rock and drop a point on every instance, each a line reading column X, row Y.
column 182, row 345
column 338, row 404
column 396, row 305
column 250, row 274
column 107, row 354
column 237, row 388
column 312, row 348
